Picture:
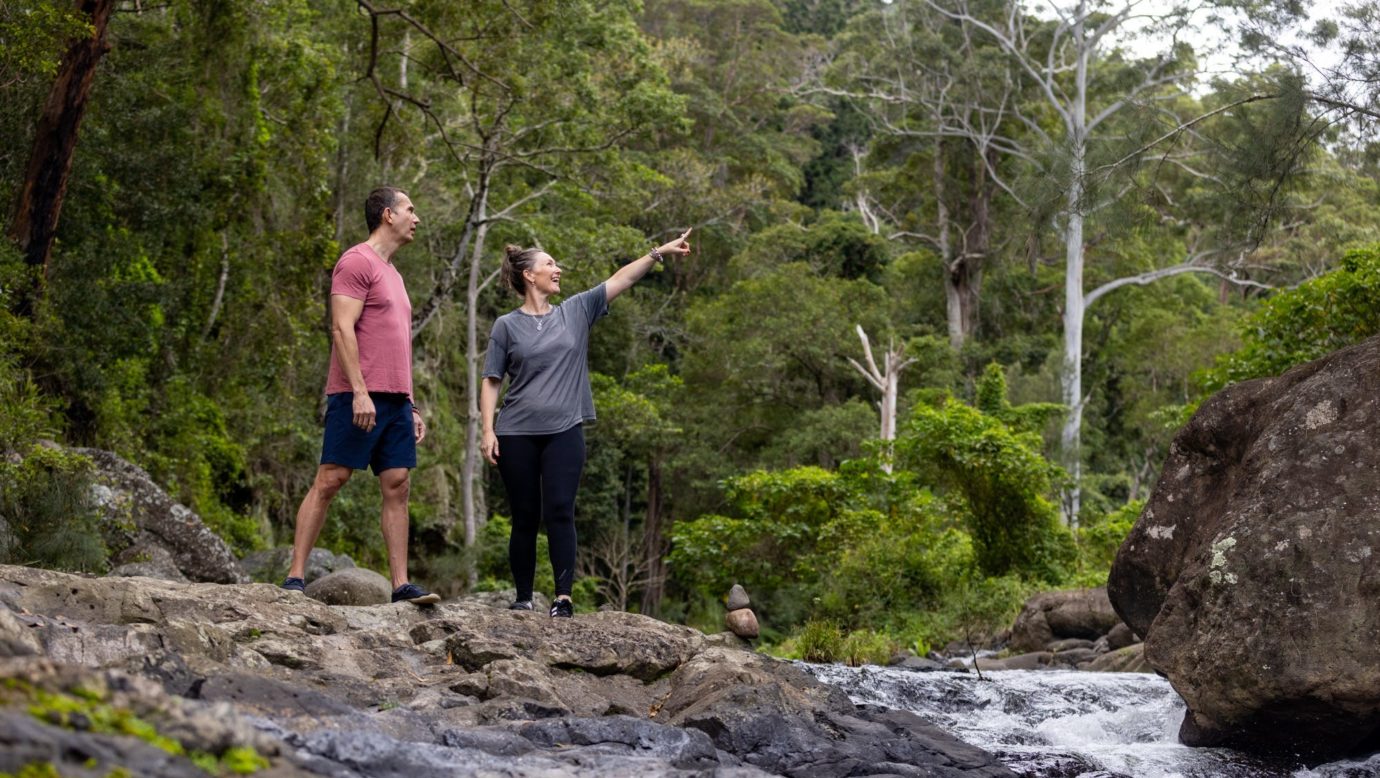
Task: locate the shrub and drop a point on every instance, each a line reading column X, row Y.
column 47, row 516
column 819, row 641
column 1001, row 478
column 865, row 647
column 1299, row 325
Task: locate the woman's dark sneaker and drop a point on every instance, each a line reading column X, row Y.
column 521, row 605
column 295, row 585
column 410, row 592
column 562, row 609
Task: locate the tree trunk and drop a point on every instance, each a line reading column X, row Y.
column 470, row 483
column 977, row 246
column 653, row 535
column 55, row 140
column 1074, row 300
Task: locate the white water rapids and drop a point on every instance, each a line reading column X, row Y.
column 1062, row 724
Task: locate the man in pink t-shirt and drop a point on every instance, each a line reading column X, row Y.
column 371, row 420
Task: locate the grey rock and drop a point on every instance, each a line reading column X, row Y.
column 919, row 664
column 25, row 741
column 1051, row 616
column 726, row 639
column 459, row 689
column 149, row 561
column 743, row 623
column 1130, row 659
column 270, row 565
column 1034, row 660
column 776, row 717
column 17, row 638
column 738, row 598
column 1257, row 552
column 599, row 643
column 1068, row 644
column 1074, row 656
column 131, row 503
column 1120, row 637
column 351, row 586
column 688, row 749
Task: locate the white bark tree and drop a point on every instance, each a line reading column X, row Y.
column 887, row 380
column 1058, row 59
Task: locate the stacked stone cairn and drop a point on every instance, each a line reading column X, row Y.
column 741, row 620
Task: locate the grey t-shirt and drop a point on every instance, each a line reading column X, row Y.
column 547, row 361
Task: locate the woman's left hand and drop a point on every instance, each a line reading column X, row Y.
column 679, row 247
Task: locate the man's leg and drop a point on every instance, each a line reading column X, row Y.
column 396, row 485
column 311, row 516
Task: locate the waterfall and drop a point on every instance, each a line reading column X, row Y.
column 1067, row 724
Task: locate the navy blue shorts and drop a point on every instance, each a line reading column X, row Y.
column 391, row 443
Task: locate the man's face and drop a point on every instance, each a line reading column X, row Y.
column 402, row 219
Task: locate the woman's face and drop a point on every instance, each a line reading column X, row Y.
column 544, row 276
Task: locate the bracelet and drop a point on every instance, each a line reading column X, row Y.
column 655, row 254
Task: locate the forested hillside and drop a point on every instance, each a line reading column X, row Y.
column 1041, row 235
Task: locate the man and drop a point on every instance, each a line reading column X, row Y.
column 370, row 418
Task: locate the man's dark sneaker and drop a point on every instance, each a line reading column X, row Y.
column 294, row 585
column 521, row 605
column 562, row 609
column 410, row 592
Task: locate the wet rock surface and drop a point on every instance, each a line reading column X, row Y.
column 462, row 688
column 1257, row 551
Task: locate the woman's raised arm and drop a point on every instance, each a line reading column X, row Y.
column 632, row 272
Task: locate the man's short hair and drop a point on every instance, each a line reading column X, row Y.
column 379, row 199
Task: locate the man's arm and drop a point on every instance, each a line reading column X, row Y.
column 345, row 312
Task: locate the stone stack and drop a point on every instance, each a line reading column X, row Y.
column 741, row 620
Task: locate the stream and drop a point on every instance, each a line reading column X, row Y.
column 1067, row 724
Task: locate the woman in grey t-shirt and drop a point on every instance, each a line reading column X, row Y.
column 538, row 442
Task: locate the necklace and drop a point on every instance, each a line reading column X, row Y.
column 540, row 317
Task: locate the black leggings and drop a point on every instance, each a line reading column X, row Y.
column 541, row 474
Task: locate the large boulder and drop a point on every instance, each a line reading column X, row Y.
column 1051, row 616
column 351, row 586
column 150, row 520
column 1252, row 571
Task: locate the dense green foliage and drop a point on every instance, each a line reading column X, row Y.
column 222, row 161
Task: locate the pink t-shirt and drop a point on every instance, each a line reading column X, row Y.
column 384, row 328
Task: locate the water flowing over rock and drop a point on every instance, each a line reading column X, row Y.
column 1253, row 570
column 155, row 525
column 459, row 689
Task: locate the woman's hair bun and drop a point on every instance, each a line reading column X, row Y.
column 512, row 251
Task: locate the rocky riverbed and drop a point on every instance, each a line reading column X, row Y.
column 163, row 678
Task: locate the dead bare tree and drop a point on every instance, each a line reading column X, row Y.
column 887, row 380
column 618, row 561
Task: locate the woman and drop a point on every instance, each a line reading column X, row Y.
column 538, row 442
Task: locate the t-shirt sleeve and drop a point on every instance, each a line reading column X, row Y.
column 352, row 277
column 594, row 303
column 496, row 361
